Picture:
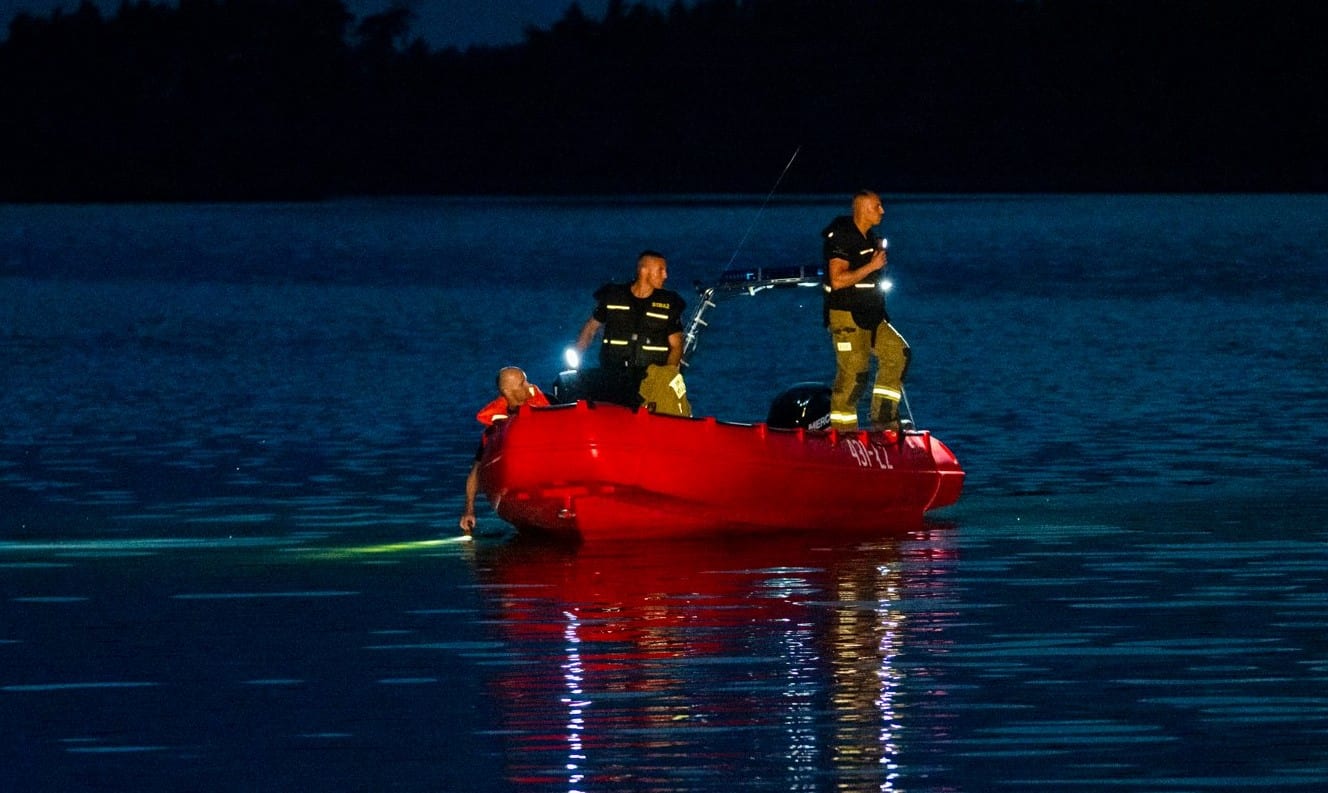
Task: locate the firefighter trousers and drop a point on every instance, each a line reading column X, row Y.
column 854, row 348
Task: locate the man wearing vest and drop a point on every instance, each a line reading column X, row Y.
column 856, row 318
column 514, row 390
column 642, row 343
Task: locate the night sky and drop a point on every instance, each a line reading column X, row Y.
column 441, row 23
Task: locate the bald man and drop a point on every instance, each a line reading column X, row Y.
column 855, row 315
column 641, row 348
column 514, row 391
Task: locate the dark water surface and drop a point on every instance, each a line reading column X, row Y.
column 234, row 438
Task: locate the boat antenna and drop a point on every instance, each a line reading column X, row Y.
column 707, row 293
column 761, row 211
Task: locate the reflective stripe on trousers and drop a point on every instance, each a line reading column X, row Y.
column 854, row 349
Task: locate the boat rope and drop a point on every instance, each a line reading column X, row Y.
column 908, row 409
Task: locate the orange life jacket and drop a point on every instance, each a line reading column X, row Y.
column 497, row 409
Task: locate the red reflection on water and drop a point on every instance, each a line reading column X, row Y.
column 678, row 665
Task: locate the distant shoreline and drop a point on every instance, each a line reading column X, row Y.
column 234, row 101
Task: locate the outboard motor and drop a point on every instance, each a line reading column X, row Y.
column 805, row 405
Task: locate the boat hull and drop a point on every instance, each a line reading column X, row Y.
column 601, row 470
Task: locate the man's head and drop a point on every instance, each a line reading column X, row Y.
column 651, row 269
column 514, row 387
column 867, row 210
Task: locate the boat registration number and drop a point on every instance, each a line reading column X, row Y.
column 868, row 455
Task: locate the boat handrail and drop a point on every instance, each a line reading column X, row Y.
column 747, row 281
column 756, row 279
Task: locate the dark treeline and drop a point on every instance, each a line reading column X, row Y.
column 243, row 99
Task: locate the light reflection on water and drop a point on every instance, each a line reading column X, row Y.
column 1086, row 655
column 663, row 663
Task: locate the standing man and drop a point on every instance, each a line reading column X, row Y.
column 641, row 349
column 856, row 318
column 514, row 390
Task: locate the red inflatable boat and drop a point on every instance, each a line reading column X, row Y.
column 602, row 470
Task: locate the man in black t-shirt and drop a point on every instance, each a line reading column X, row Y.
column 855, row 315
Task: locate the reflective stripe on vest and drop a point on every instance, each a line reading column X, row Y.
column 859, row 285
column 636, row 330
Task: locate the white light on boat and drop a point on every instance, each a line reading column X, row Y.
column 886, row 285
column 572, row 358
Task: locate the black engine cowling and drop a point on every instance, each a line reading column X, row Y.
column 805, row 405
